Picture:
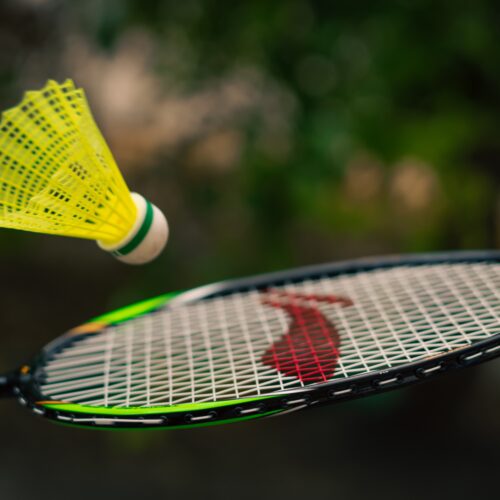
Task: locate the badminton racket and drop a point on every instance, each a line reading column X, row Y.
column 270, row 344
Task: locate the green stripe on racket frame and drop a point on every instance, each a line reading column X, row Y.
column 270, row 344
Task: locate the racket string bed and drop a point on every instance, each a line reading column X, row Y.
column 263, row 341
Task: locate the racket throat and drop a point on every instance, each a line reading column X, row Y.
column 8, row 383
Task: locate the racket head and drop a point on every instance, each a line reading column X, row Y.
column 427, row 332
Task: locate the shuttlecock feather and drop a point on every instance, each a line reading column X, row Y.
column 58, row 176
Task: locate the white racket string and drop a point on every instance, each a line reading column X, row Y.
column 251, row 343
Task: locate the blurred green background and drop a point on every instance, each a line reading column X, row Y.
column 272, row 134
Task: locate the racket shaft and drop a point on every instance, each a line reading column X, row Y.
column 7, row 385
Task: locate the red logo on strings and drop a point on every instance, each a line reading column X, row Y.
column 309, row 350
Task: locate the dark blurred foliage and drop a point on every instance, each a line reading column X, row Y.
column 273, row 134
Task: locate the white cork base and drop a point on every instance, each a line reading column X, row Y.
column 153, row 242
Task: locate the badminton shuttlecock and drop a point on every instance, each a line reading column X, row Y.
column 58, row 176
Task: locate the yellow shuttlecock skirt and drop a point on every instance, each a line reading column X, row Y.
column 57, row 174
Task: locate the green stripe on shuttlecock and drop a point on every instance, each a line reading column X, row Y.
column 140, row 235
